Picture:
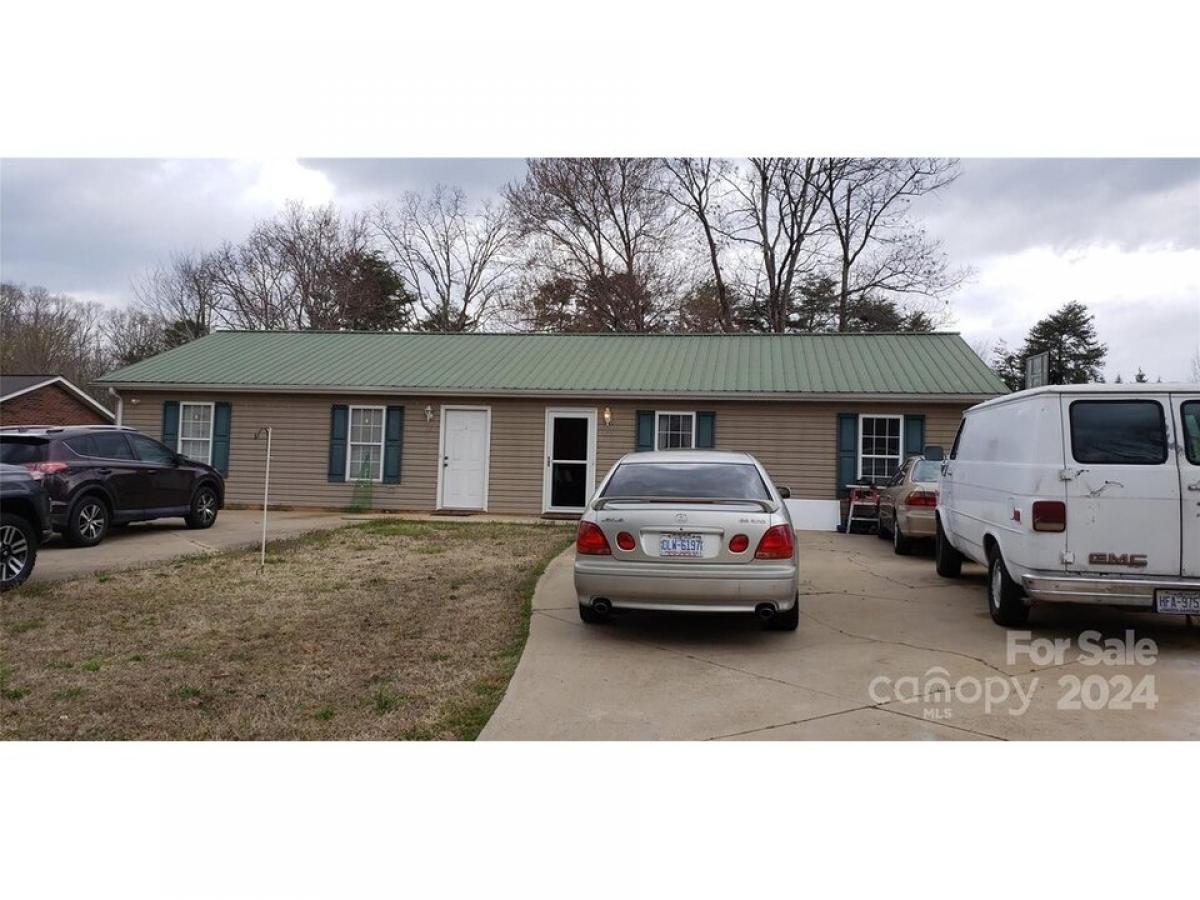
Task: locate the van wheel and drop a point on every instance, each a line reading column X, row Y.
column 87, row 523
column 1006, row 600
column 947, row 560
column 901, row 544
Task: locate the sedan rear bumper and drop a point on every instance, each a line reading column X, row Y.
column 683, row 588
column 917, row 522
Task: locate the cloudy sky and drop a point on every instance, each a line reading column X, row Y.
column 1123, row 236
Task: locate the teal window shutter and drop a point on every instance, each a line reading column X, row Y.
column 339, row 426
column 914, row 436
column 393, row 444
column 847, row 451
column 220, row 437
column 644, row 437
column 706, row 430
column 170, row 424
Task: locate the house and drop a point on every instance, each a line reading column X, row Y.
column 47, row 400
column 527, row 423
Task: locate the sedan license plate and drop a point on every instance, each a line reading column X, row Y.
column 1185, row 603
column 681, row 545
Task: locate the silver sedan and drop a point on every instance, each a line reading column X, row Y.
column 688, row 531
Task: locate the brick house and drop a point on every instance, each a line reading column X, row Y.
column 47, row 400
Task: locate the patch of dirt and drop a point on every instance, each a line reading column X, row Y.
column 387, row 629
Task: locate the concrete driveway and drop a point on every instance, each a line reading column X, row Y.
column 145, row 543
column 886, row 650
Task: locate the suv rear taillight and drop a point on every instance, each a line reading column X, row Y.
column 40, row 470
column 777, row 543
column 921, row 498
column 1049, row 515
column 590, row 540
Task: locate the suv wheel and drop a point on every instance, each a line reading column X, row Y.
column 204, row 508
column 947, row 560
column 88, row 521
column 1006, row 600
column 18, row 550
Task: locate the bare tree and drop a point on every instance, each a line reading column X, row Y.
column 44, row 333
column 694, row 184
column 603, row 225
column 453, row 258
column 183, row 296
column 131, row 335
column 777, row 214
column 879, row 249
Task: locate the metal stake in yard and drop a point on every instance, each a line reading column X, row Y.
column 262, row 553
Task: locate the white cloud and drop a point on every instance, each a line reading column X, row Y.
column 1146, row 301
column 277, row 181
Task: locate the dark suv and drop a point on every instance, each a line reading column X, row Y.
column 102, row 476
column 24, row 523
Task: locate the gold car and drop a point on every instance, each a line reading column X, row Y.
column 907, row 503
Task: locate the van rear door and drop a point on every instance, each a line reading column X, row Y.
column 1187, row 430
column 1122, row 485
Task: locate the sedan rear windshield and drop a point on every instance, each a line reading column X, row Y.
column 706, row 481
column 16, row 451
column 927, row 470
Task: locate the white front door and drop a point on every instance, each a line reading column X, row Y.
column 1187, row 441
column 570, row 476
column 465, row 440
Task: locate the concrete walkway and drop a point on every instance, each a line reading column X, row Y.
column 866, row 614
column 146, row 543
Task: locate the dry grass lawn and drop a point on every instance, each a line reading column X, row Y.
column 387, row 629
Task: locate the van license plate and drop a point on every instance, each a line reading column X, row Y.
column 681, row 545
column 1186, row 603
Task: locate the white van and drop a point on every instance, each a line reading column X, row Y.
column 1077, row 494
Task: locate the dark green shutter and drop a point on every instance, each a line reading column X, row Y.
column 170, row 424
column 393, row 443
column 706, row 430
column 339, row 424
column 644, row 436
column 914, row 436
column 847, row 451
column 220, row 438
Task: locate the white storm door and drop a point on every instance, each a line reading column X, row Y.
column 465, row 439
column 570, row 476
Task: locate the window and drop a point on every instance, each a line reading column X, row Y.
column 713, row 481
column 927, row 470
column 148, row 450
column 111, row 446
column 1122, row 432
column 16, row 451
column 364, row 461
column 674, row 430
column 1191, row 431
column 195, row 431
column 879, row 446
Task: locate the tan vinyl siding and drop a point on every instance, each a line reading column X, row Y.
column 796, row 441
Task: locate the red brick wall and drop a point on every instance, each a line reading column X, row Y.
column 51, row 405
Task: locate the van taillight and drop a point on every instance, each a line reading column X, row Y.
column 590, row 540
column 1049, row 515
column 777, row 543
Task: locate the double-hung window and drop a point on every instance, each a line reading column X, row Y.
column 364, row 450
column 879, row 446
column 674, row 430
column 196, row 431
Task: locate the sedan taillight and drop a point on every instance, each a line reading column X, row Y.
column 40, row 470
column 625, row 540
column 921, row 498
column 777, row 543
column 739, row 543
column 1049, row 515
column 590, row 540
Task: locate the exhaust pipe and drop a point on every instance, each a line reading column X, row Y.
column 765, row 611
column 601, row 606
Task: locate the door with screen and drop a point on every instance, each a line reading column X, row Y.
column 570, row 476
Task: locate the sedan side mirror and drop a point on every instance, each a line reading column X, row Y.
column 784, row 492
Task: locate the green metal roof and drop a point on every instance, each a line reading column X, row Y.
column 735, row 364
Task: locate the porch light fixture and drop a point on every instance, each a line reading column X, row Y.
column 428, row 413
column 607, row 414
